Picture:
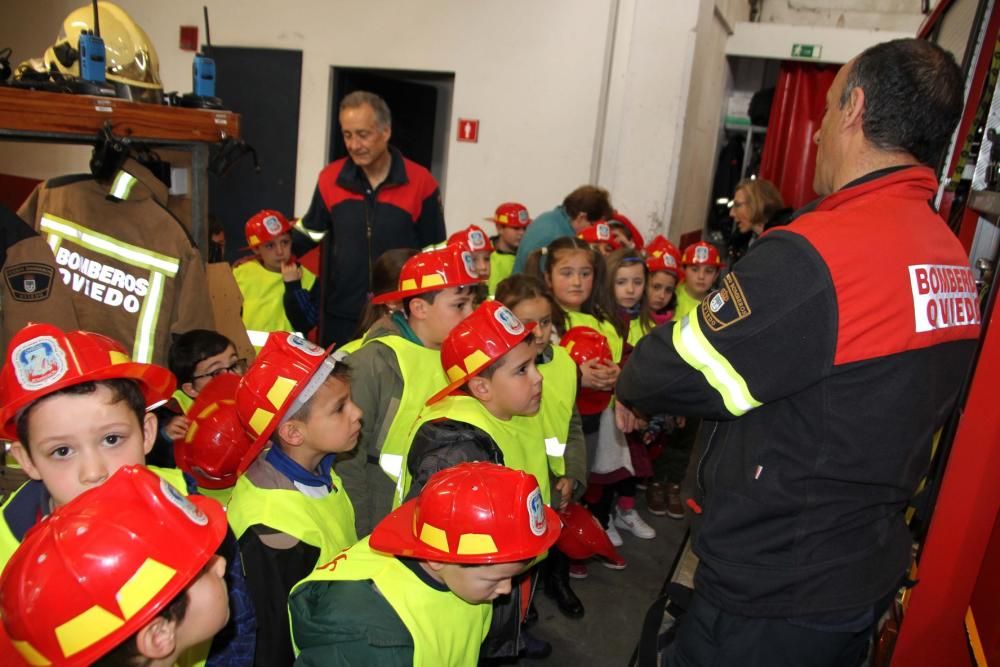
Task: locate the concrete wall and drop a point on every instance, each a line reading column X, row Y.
column 892, row 15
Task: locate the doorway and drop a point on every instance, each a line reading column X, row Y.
column 420, row 103
column 263, row 86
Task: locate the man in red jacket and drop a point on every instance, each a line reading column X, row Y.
column 823, row 366
column 369, row 202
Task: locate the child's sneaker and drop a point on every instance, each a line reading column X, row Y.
column 578, row 570
column 613, row 534
column 616, row 563
column 631, row 521
column 675, row 508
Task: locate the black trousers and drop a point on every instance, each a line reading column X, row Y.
column 708, row 635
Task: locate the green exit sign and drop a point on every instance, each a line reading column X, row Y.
column 806, row 50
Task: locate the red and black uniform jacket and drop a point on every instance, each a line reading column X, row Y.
column 357, row 224
column 829, row 357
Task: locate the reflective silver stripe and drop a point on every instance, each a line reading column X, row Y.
column 130, row 254
column 122, row 186
column 315, row 236
column 142, row 349
column 257, row 338
column 694, row 348
column 554, row 448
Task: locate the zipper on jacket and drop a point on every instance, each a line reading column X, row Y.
column 700, row 476
column 369, row 215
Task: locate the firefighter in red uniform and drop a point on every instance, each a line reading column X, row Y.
column 826, row 361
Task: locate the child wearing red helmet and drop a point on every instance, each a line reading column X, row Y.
column 477, row 243
column 417, row 591
column 701, row 264
column 288, row 508
column 125, row 571
column 276, row 290
column 511, row 220
column 531, row 302
column 600, row 238
column 76, row 408
column 398, row 368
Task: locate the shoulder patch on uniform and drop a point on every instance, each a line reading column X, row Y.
column 29, row 281
column 726, row 306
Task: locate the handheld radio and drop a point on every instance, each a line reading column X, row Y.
column 204, row 67
column 92, row 55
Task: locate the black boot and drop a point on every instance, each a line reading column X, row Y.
column 557, row 585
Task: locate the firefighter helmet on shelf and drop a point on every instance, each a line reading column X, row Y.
column 473, row 513
column 433, row 270
column 102, row 566
column 490, row 332
column 133, row 67
column 42, row 359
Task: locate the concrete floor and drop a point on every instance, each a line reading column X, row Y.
column 615, row 600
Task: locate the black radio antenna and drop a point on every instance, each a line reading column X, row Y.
column 97, row 21
column 208, row 31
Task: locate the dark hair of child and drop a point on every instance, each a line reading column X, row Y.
column 629, row 257
column 430, row 296
column 385, row 278
column 127, row 653
column 600, row 303
column 620, row 226
column 521, row 287
column 190, row 349
column 121, row 390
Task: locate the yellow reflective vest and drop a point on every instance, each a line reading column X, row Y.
column 559, row 386
column 501, row 267
column 263, row 307
column 685, row 302
column 420, row 368
column 522, row 440
column 447, row 631
column 326, row 523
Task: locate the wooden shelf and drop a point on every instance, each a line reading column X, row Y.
column 35, row 114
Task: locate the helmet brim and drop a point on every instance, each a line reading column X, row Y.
column 399, row 295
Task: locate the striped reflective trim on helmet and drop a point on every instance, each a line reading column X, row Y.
column 313, row 235
column 109, row 246
column 122, row 186
column 694, row 348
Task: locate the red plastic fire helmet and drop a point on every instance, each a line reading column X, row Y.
column 474, row 238
column 102, row 566
column 637, row 239
column 599, row 233
column 42, row 359
column 511, row 214
column 433, row 270
column 491, row 331
column 265, row 226
column 584, row 344
column 701, row 253
column 215, row 442
column 665, row 262
column 287, row 368
column 582, row 535
column 661, row 246
column 474, row 513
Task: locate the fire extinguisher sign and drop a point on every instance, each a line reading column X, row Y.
column 468, row 130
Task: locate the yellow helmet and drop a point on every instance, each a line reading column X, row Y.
column 132, row 64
